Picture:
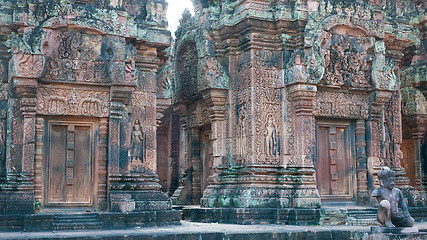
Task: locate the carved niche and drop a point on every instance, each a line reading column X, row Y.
column 72, row 101
column 346, row 63
column 187, row 65
column 268, row 128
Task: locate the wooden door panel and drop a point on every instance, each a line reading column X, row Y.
column 56, row 168
column 323, row 163
column 334, row 166
column 69, row 177
column 82, row 186
column 343, row 165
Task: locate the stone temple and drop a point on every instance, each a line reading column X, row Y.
column 260, row 111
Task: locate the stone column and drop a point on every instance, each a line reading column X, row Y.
column 303, row 96
column 195, row 165
column 361, row 162
column 215, row 99
column 25, row 70
column 375, row 135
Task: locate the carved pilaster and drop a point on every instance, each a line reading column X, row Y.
column 361, row 163
column 303, row 103
column 119, row 99
column 215, row 99
column 196, row 165
column 26, row 69
column 26, row 89
column 376, row 130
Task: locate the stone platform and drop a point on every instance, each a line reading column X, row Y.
column 330, row 215
column 394, row 230
column 291, row 216
column 86, row 221
column 209, row 231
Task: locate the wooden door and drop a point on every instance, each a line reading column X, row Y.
column 69, row 169
column 408, row 160
column 334, row 164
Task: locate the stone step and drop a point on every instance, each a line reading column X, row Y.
column 76, row 222
column 76, row 226
column 362, row 222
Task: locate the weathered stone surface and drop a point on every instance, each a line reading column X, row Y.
column 395, row 230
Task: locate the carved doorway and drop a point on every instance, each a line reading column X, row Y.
column 206, row 154
column 334, row 164
column 69, row 168
column 408, row 160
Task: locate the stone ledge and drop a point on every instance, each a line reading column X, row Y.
column 109, row 220
column 394, row 230
column 290, row 216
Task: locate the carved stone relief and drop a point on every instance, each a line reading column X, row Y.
column 199, row 115
column 384, row 71
column 242, row 140
column 137, row 147
column 346, row 63
column 72, row 101
column 342, row 105
column 269, row 131
column 187, row 66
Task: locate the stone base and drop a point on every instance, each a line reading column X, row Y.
column 395, row 230
column 273, row 196
column 291, row 216
column 16, row 202
column 418, row 213
column 138, row 201
column 105, row 220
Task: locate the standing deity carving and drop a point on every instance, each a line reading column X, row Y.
column 270, row 138
column 242, row 139
column 137, row 143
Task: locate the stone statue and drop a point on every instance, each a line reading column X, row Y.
column 270, row 138
column 137, row 142
column 390, row 199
